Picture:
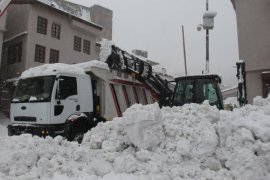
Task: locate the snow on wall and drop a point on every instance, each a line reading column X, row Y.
column 188, row 142
column 105, row 49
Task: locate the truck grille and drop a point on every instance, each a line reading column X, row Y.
column 24, row 118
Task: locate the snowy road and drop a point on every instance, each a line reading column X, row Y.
column 188, row 142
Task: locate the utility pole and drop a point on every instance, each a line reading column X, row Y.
column 184, row 49
column 207, row 44
column 208, row 24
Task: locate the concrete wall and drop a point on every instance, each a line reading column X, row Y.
column 253, row 21
column 254, row 85
column 103, row 17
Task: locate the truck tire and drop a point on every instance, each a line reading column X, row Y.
column 77, row 136
column 75, row 130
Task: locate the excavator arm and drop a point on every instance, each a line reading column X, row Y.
column 142, row 71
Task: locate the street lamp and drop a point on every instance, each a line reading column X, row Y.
column 208, row 24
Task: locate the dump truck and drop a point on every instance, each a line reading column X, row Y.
column 68, row 100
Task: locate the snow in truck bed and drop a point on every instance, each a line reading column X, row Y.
column 74, row 69
column 189, row 142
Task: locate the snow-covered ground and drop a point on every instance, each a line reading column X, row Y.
column 188, row 142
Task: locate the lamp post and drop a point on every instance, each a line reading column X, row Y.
column 208, row 23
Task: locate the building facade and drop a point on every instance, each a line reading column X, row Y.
column 102, row 16
column 39, row 33
column 253, row 21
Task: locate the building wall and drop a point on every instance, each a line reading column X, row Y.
column 2, row 30
column 69, row 28
column 253, row 20
column 103, row 17
column 3, row 93
column 25, row 29
column 254, row 85
column 17, row 29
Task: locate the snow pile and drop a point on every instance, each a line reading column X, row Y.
column 231, row 101
column 189, row 142
column 105, row 49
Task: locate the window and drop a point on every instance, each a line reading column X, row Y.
column 56, row 29
column 38, row 87
column 77, row 43
column 209, row 93
column 40, row 54
column 67, row 87
column 184, row 92
column 54, row 56
column 42, row 25
column 14, row 53
column 86, row 46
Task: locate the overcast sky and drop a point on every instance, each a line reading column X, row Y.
column 155, row 26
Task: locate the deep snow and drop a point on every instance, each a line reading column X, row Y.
column 188, row 142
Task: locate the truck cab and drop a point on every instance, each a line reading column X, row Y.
column 196, row 89
column 42, row 104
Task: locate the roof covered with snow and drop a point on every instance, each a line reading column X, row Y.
column 71, row 8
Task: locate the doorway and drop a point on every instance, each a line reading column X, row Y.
column 266, row 83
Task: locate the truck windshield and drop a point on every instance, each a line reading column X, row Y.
column 36, row 89
column 196, row 91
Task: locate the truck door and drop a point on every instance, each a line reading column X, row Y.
column 66, row 100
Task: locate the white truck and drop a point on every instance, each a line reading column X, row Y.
column 68, row 100
column 62, row 99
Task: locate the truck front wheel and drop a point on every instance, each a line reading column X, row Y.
column 74, row 130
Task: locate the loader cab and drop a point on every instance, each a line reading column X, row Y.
column 197, row 89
